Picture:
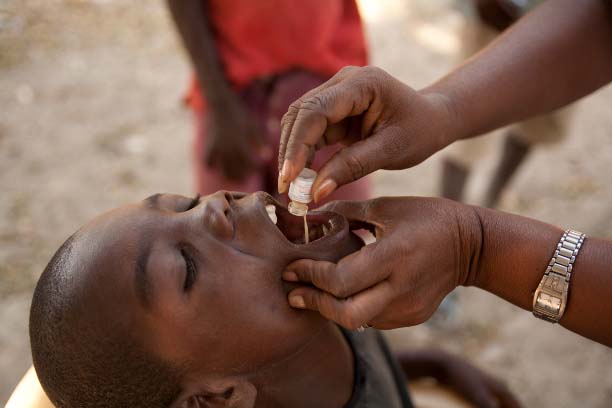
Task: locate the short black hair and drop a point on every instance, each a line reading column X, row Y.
column 81, row 365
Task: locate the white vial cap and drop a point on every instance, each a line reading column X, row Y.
column 297, row 208
column 300, row 188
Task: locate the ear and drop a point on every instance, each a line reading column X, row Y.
column 234, row 393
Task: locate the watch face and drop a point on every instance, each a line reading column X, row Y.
column 549, row 304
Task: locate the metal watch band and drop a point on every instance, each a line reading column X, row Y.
column 550, row 298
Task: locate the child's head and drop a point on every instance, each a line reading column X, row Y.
column 172, row 298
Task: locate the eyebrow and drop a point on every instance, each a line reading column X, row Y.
column 141, row 278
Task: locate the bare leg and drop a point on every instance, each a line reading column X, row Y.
column 515, row 152
column 454, row 176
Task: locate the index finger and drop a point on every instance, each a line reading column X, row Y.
column 289, row 118
column 308, row 118
column 350, row 275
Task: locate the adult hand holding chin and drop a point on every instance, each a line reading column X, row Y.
column 425, row 247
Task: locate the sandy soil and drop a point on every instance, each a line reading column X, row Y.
column 91, row 118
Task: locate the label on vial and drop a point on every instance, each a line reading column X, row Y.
column 300, row 191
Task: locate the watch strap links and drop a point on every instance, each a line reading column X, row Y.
column 550, row 298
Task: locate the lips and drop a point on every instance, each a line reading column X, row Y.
column 322, row 226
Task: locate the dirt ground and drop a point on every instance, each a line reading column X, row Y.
column 91, row 117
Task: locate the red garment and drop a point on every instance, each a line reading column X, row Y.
column 267, row 102
column 259, row 38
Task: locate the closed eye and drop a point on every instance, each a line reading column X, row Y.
column 194, row 202
column 191, row 270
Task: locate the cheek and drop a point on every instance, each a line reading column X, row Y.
column 165, row 332
column 244, row 316
column 246, row 293
column 260, row 238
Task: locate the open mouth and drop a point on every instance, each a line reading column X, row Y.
column 320, row 224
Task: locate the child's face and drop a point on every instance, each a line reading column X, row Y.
column 203, row 286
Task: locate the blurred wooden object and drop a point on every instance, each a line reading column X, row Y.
column 29, row 393
column 429, row 394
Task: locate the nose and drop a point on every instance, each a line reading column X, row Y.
column 216, row 214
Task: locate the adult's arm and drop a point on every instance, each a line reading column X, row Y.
column 513, row 255
column 560, row 52
column 428, row 246
column 233, row 135
column 556, row 54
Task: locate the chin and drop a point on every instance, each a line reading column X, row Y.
column 299, row 331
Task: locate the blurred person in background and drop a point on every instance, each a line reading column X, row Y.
column 251, row 60
column 485, row 20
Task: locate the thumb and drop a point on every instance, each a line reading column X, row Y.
column 351, row 312
column 360, row 214
column 354, row 210
column 351, row 163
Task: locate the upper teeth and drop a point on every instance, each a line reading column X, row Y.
column 271, row 210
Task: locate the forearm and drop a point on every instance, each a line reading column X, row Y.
column 513, row 254
column 191, row 19
column 553, row 56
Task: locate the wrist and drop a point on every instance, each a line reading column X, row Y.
column 447, row 119
column 473, row 230
column 228, row 108
column 221, row 100
column 217, row 91
column 510, row 255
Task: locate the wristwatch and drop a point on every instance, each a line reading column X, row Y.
column 550, row 298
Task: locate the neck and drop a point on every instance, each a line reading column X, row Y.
column 320, row 375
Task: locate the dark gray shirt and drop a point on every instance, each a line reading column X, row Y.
column 379, row 380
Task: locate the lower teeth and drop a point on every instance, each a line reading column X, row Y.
column 271, row 210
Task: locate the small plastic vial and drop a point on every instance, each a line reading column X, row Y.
column 300, row 192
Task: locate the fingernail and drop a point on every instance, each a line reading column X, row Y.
column 290, row 276
column 285, row 171
column 282, row 186
column 297, row 302
column 325, row 189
